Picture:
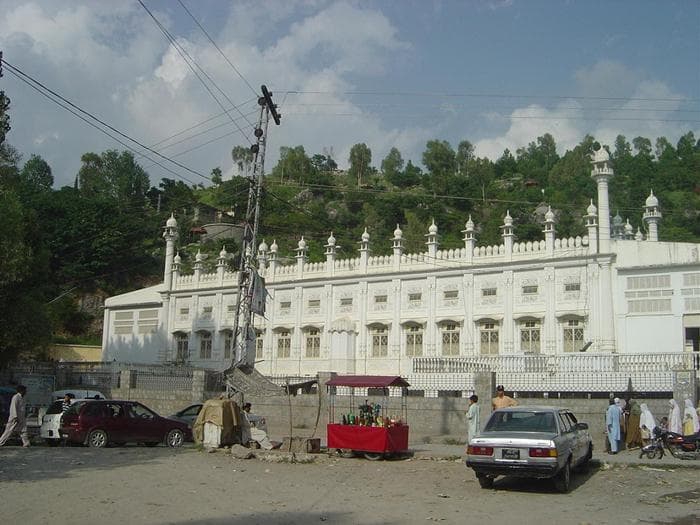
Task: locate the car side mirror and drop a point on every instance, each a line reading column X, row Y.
column 581, row 426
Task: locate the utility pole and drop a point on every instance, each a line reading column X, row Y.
column 249, row 284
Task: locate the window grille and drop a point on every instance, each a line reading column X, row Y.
column 313, row 343
column 284, row 345
column 205, row 346
column 414, row 341
column 488, row 335
column 380, row 342
column 573, row 336
column 450, row 339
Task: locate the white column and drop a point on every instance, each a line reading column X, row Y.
column 607, row 322
column 507, row 341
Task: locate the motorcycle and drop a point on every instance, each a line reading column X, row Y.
column 682, row 447
column 654, row 449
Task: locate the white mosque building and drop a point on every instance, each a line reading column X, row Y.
column 611, row 292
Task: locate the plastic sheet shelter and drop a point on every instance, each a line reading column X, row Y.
column 368, row 381
column 225, row 414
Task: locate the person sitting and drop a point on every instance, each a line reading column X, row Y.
column 255, row 423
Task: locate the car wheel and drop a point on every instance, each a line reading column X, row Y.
column 97, row 439
column 373, row 456
column 175, row 438
column 345, row 453
column 562, row 481
column 485, row 482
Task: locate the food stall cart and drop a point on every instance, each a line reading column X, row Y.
column 372, row 430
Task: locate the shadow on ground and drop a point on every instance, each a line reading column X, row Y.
column 287, row 518
column 40, row 463
column 579, row 477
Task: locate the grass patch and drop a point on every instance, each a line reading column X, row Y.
column 427, row 440
column 452, row 441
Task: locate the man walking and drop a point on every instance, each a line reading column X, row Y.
column 17, row 422
column 612, row 424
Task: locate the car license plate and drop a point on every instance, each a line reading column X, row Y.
column 510, row 453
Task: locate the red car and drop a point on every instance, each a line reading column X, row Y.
column 99, row 423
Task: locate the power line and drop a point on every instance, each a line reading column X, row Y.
column 218, row 48
column 38, row 86
column 185, row 56
column 183, row 152
column 485, row 95
column 452, row 106
column 504, row 117
column 201, row 123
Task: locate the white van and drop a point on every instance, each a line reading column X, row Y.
column 50, row 419
column 77, row 393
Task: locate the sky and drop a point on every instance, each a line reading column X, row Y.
column 398, row 73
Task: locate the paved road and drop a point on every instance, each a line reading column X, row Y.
column 156, row 486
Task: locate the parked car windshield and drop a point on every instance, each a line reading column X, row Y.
column 521, row 421
column 55, row 408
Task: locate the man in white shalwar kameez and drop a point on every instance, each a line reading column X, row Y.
column 17, row 422
column 675, row 423
column 256, row 434
column 612, row 423
column 473, row 417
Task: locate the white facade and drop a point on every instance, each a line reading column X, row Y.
column 610, row 291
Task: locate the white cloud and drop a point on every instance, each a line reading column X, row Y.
column 614, row 100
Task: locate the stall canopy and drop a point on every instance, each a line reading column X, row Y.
column 367, row 381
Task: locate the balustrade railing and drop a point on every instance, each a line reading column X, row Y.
column 568, row 372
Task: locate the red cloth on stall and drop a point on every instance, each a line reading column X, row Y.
column 368, row 439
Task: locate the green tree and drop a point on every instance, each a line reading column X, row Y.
column 36, row 176
column 4, row 117
column 243, row 159
column 295, row 165
column 465, row 155
column 216, row 176
column 112, row 175
column 392, row 167
column 440, row 160
column 360, row 161
column 642, row 146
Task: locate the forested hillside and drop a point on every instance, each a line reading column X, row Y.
column 63, row 249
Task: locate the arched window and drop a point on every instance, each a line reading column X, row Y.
column 530, row 336
column 312, row 342
column 573, row 335
column 284, row 344
column 450, row 338
column 205, row 345
column 228, row 343
column 414, row 340
column 182, row 349
column 488, row 338
column 380, row 340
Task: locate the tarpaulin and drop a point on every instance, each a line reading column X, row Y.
column 367, row 381
column 368, row 439
column 224, row 413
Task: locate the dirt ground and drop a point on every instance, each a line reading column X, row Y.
column 136, row 485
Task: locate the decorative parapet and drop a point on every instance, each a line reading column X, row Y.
column 448, row 258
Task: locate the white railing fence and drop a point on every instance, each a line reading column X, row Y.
column 582, row 372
